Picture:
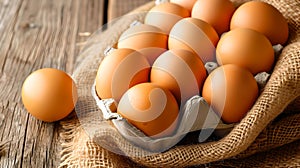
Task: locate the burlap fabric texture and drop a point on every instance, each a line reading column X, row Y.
column 268, row 135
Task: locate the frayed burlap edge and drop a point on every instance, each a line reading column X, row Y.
column 283, row 156
column 76, row 144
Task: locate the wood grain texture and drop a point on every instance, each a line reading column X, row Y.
column 118, row 8
column 36, row 34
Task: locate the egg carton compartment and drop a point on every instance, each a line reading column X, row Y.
column 196, row 115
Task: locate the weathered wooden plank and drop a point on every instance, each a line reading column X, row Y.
column 91, row 19
column 36, row 34
column 117, row 8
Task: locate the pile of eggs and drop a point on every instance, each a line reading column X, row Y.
column 160, row 64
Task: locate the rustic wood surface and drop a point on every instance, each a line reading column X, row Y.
column 36, row 34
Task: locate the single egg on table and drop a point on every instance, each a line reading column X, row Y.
column 151, row 109
column 165, row 15
column 120, row 70
column 264, row 18
column 180, row 71
column 217, row 13
column 247, row 48
column 49, row 94
column 196, row 36
column 231, row 91
column 148, row 39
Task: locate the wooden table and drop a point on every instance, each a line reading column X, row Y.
column 36, row 34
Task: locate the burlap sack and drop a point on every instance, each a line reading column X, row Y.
column 267, row 125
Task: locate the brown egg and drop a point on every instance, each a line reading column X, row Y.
column 152, row 53
column 231, row 91
column 263, row 18
column 119, row 71
column 165, row 15
column 215, row 12
column 144, row 36
column 247, row 48
column 151, row 109
column 196, row 36
column 187, row 4
column 180, row 71
column 49, row 94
